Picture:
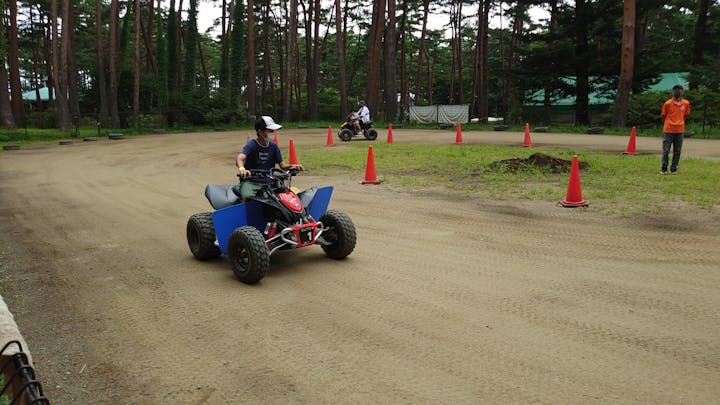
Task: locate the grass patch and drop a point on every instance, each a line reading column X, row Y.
column 612, row 182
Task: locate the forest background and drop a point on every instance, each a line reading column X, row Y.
column 143, row 63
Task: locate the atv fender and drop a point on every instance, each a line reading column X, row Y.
column 226, row 220
column 316, row 200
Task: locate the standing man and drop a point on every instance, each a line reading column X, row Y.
column 363, row 115
column 674, row 112
column 260, row 154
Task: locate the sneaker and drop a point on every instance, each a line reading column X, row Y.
column 673, row 171
column 663, row 172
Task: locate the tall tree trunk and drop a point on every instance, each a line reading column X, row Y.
column 582, row 85
column 627, row 65
column 390, row 63
column 37, row 82
column 103, row 115
column 14, row 63
column 374, row 60
column 552, row 29
column 190, row 45
column 150, row 66
column 136, row 81
column 60, row 68
column 172, row 65
column 421, row 52
column 72, row 71
column 113, row 93
column 180, row 42
column 456, row 87
column 700, row 35
column 291, row 40
column 6, row 115
column 404, row 89
column 206, row 73
column 342, row 85
column 161, row 50
column 313, row 57
column 479, row 101
column 49, row 66
column 251, row 79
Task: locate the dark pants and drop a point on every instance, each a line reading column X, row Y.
column 676, row 141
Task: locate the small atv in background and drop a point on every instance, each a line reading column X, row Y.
column 347, row 129
column 276, row 218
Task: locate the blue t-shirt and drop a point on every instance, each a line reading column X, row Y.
column 261, row 157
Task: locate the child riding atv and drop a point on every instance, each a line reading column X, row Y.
column 358, row 123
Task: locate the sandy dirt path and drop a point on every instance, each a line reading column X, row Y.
column 443, row 301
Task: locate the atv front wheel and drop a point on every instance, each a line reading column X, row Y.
column 339, row 234
column 248, row 255
column 201, row 236
column 346, row 134
column 371, row 134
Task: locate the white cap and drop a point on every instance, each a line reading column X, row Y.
column 266, row 122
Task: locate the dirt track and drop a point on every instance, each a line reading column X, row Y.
column 443, row 301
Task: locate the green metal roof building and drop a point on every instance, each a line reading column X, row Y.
column 562, row 110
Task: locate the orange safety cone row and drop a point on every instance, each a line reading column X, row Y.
column 630, row 150
column 275, row 138
column 574, row 198
column 329, row 141
column 390, row 138
column 370, row 176
column 293, row 156
column 458, row 135
column 527, row 142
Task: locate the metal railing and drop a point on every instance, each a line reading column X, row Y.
column 19, row 381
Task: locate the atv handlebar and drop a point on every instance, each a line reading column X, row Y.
column 272, row 174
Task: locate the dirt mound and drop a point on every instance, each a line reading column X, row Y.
column 536, row 160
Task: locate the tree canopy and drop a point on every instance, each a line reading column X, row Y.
column 316, row 59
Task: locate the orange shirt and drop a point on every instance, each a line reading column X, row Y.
column 674, row 113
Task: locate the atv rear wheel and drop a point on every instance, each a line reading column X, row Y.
column 371, row 134
column 248, row 254
column 340, row 234
column 346, row 134
column 201, row 236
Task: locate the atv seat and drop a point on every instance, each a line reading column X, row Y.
column 222, row 196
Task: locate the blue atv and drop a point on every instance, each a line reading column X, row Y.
column 276, row 218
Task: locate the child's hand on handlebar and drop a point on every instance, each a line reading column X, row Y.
column 243, row 173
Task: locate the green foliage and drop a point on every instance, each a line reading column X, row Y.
column 172, row 62
column 190, row 46
column 519, row 64
column 42, row 119
column 644, row 108
column 195, row 107
column 237, row 53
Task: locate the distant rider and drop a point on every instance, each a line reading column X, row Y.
column 363, row 114
column 260, row 154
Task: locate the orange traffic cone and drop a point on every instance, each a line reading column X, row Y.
column 370, row 176
column 293, row 156
column 329, row 137
column 573, row 198
column 631, row 143
column 275, row 139
column 527, row 142
column 390, row 138
column 458, row 135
